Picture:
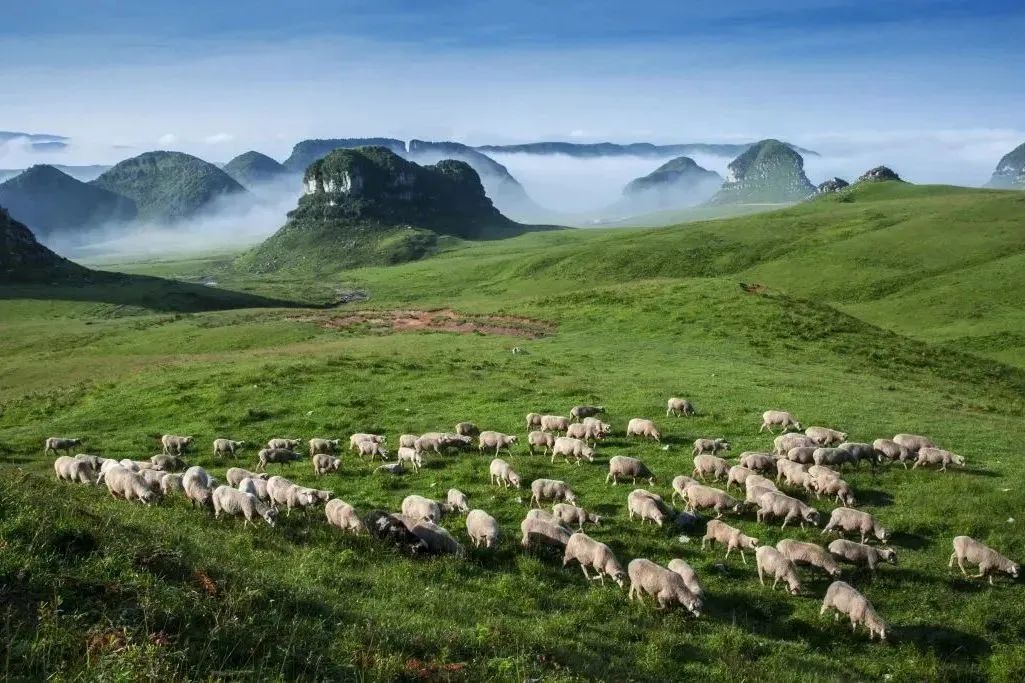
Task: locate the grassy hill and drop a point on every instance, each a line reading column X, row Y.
column 98, row 588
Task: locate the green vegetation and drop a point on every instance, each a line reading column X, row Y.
column 306, row 152
column 768, row 172
column 857, row 311
column 253, row 168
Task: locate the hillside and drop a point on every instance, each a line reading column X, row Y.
column 168, row 186
column 637, row 149
column 253, row 168
column 53, row 202
column 676, row 183
column 24, row 260
column 769, row 172
column 1010, row 171
column 306, row 152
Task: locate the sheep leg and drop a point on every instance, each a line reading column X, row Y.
column 953, row 556
column 584, row 570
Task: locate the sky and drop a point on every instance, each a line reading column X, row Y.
column 932, row 87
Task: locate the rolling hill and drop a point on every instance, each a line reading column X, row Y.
column 253, row 168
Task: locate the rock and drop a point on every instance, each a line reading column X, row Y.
column 1010, row 170
column 830, row 186
column 878, row 174
column 768, row 173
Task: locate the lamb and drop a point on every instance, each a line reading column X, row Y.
column 647, row 578
column 420, row 508
column 836, row 457
column 588, row 552
column 356, row 438
column 731, row 537
column 680, row 484
column 703, row 497
column 70, row 469
column 257, row 487
column 860, row 554
column 989, row 561
column 913, row 442
column 536, row 439
column 124, row 483
column 502, row 473
column 198, row 486
column 235, row 475
column 554, row 423
column 167, row 463
column 626, row 467
column 482, row 529
column 759, row 462
column 778, row 418
column 371, row 448
column 467, row 429
column 776, row 504
column 678, row 407
column 171, row 483
column 437, row 539
column 571, row 515
column 533, row 420
column 808, row 555
column 849, row 519
column 772, row 562
column 275, row 455
column 643, row 428
column 410, row 455
column 324, row 446
column 544, row 490
column 234, row 502
column 836, row 487
column 55, row 444
column 647, row 506
column 175, row 445
column 342, row 515
column 567, row 447
column 457, row 500
column 824, row 436
column 224, row 447
column 891, row 450
column 710, row 464
column 846, row 600
column 784, row 442
column 537, row 530
column 323, row 463
column 792, row 471
column 937, row 456
column 804, row 455
column 408, row 441
column 737, row 475
column 496, row 440
column 711, row 446
column 689, row 576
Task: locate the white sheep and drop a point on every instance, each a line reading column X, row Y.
column 679, row 406
column 803, row 455
column 502, row 473
column 710, row 464
column 588, row 552
column 467, row 429
column 437, row 539
column 844, row 599
column 848, row 519
column 342, row 515
column 372, row 449
column 641, row 427
column 576, row 448
column 647, row 506
column 234, row 502
column 234, row 475
column 554, row 423
column 680, row 484
column 457, row 500
column 175, row 445
column 891, row 450
column 95, row 461
column 780, row 505
column 324, row 463
column 937, row 456
column 533, row 420
column 198, row 486
column 628, row 468
column 737, row 474
column 571, row 515
column 687, row 573
column 223, row 447
column 152, row 478
column 759, row 462
column 578, row 413
column 170, row 484
column 772, row 562
column 70, row 469
column 124, row 483
column 824, row 436
column 55, row 444
column 989, row 561
column 538, row 530
column 166, row 463
column 439, row 442
column 860, row 554
column 257, row 487
column 839, row 489
column 834, row 457
column 356, row 438
column 408, row 440
column 267, row 456
column 809, row 555
column 667, row 587
column 913, row 442
column 784, row 442
column 587, row 431
column 757, row 480
column 496, row 440
column 482, row 529
column 710, row 446
column 717, row 531
column 537, row 439
column 860, row 452
column 324, row 446
column 410, row 455
column 778, row 418
column 551, row 490
column 700, row 497
column 419, row 508
column 789, row 470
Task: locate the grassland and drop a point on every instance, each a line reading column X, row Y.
column 880, row 311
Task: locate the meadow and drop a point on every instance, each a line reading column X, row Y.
column 890, row 308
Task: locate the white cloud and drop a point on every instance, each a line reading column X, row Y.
column 167, row 139
column 218, row 138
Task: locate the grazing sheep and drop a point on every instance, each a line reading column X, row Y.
column 482, row 529
column 823, row 472
column 502, row 473
column 717, row 531
column 70, row 469
column 171, row 483
column 846, row 600
column 587, row 431
column 549, row 533
column 913, row 442
column 408, row 441
column 689, row 576
column 372, row 449
column 554, row 423
column 989, row 561
column 778, row 418
column 533, row 420
column 757, row 480
column 136, row 465
column 578, row 413
column 835, row 457
column 792, row 471
column 420, row 508
column 283, row 492
column 356, row 438
column 224, row 447
column 836, row 487
column 235, row 475
column 384, row 527
column 175, row 445
column 588, row 552
column 467, row 429
column 780, row 505
column 680, row 484
column 860, row 554
column 667, row 587
column 710, row 446
column 457, row 500
column 541, row 513
column 737, row 475
column 772, row 562
column 152, row 478
column 55, row 444
column 937, row 456
column 551, row 490
column 438, row 540
column 678, row 407
column 644, row 428
column 759, row 462
column 324, row 446
column 809, row 555
column 95, row 461
column 860, row 451
column 324, row 463
column 754, row 492
column 849, row 519
column 783, row 443
column 167, row 463
column 257, row 487
column 536, row 439
column 710, row 464
column 705, row 497
column 275, row 455
column 647, row 506
column 410, row 455
column 803, row 455
column 199, row 486
column 342, row 515
column 567, row 447
column 496, row 440
column 439, row 442
column 627, row 467
column 571, row 515
column 124, row 483
column 234, row 502
column 824, row 436
column 892, row 451
column 604, row 427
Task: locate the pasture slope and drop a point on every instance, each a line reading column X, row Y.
column 885, row 309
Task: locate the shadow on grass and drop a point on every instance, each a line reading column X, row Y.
column 942, row 640
column 874, row 497
column 903, row 539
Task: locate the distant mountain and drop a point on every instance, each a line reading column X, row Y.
column 54, row 202
column 677, row 183
column 308, row 151
column 767, row 173
column 40, row 142
column 1010, row 170
column 168, row 186
column 254, row 168
column 636, row 149
column 24, row 259
column 83, row 173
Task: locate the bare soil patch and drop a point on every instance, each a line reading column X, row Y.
column 441, row 320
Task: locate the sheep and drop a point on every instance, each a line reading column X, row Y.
column 571, row 515
column 586, row 431
column 689, row 576
column 323, row 446
column 535, row 529
column 680, row 484
column 496, row 440
column 224, row 447
column 437, row 539
column 54, row 444
column 784, row 442
column 892, row 451
column 643, row 428
column 989, row 561
column 541, row 513
column 384, row 527
column 171, row 483
column 776, row 504
column 913, row 442
column 420, row 508
column 860, row 451
column 759, row 462
column 710, row 464
column 937, row 456
column 678, row 407
column 502, row 474
column 836, row 487
column 737, row 475
column 439, row 442
column 235, row 475
column 275, row 455
column 342, row 515
column 136, row 465
column 792, row 471
column 467, row 429
column 543, row 490
column 647, row 578
column 578, row 413
column 849, row 519
column 823, row 472
column 372, row 449
column 278, row 489
column 408, row 440
column 355, row 439
column 257, row 487
column 124, row 483
column 704, row 497
column 647, row 506
column 533, row 420
column 70, row 469
column 410, row 455
column 234, row 502
column 809, row 555
column 457, row 500
column 567, row 447
column 803, row 455
column 175, row 445
column 860, row 554
column 167, row 463
column 588, row 552
column 554, row 423
column 757, row 480
column 198, row 486
column 824, row 436
column 837, row 457
column 717, row 531
column 604, row 427
column 482, row 529
column 536, row 439
column 754, row 492
column 94, row 461
column 711, row 446
column 323, row 463
column 772, row 562
column 152, row 478
column 778, row 418
column 291, row 495
column 624, row 466
column 844, row 599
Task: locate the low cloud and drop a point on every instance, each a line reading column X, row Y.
column 167, row 139
column 218, row 138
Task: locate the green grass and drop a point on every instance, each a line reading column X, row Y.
column 97, row 588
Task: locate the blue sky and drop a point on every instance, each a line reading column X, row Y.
column 220, row 78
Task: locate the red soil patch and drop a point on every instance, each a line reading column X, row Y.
column 443, row 320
